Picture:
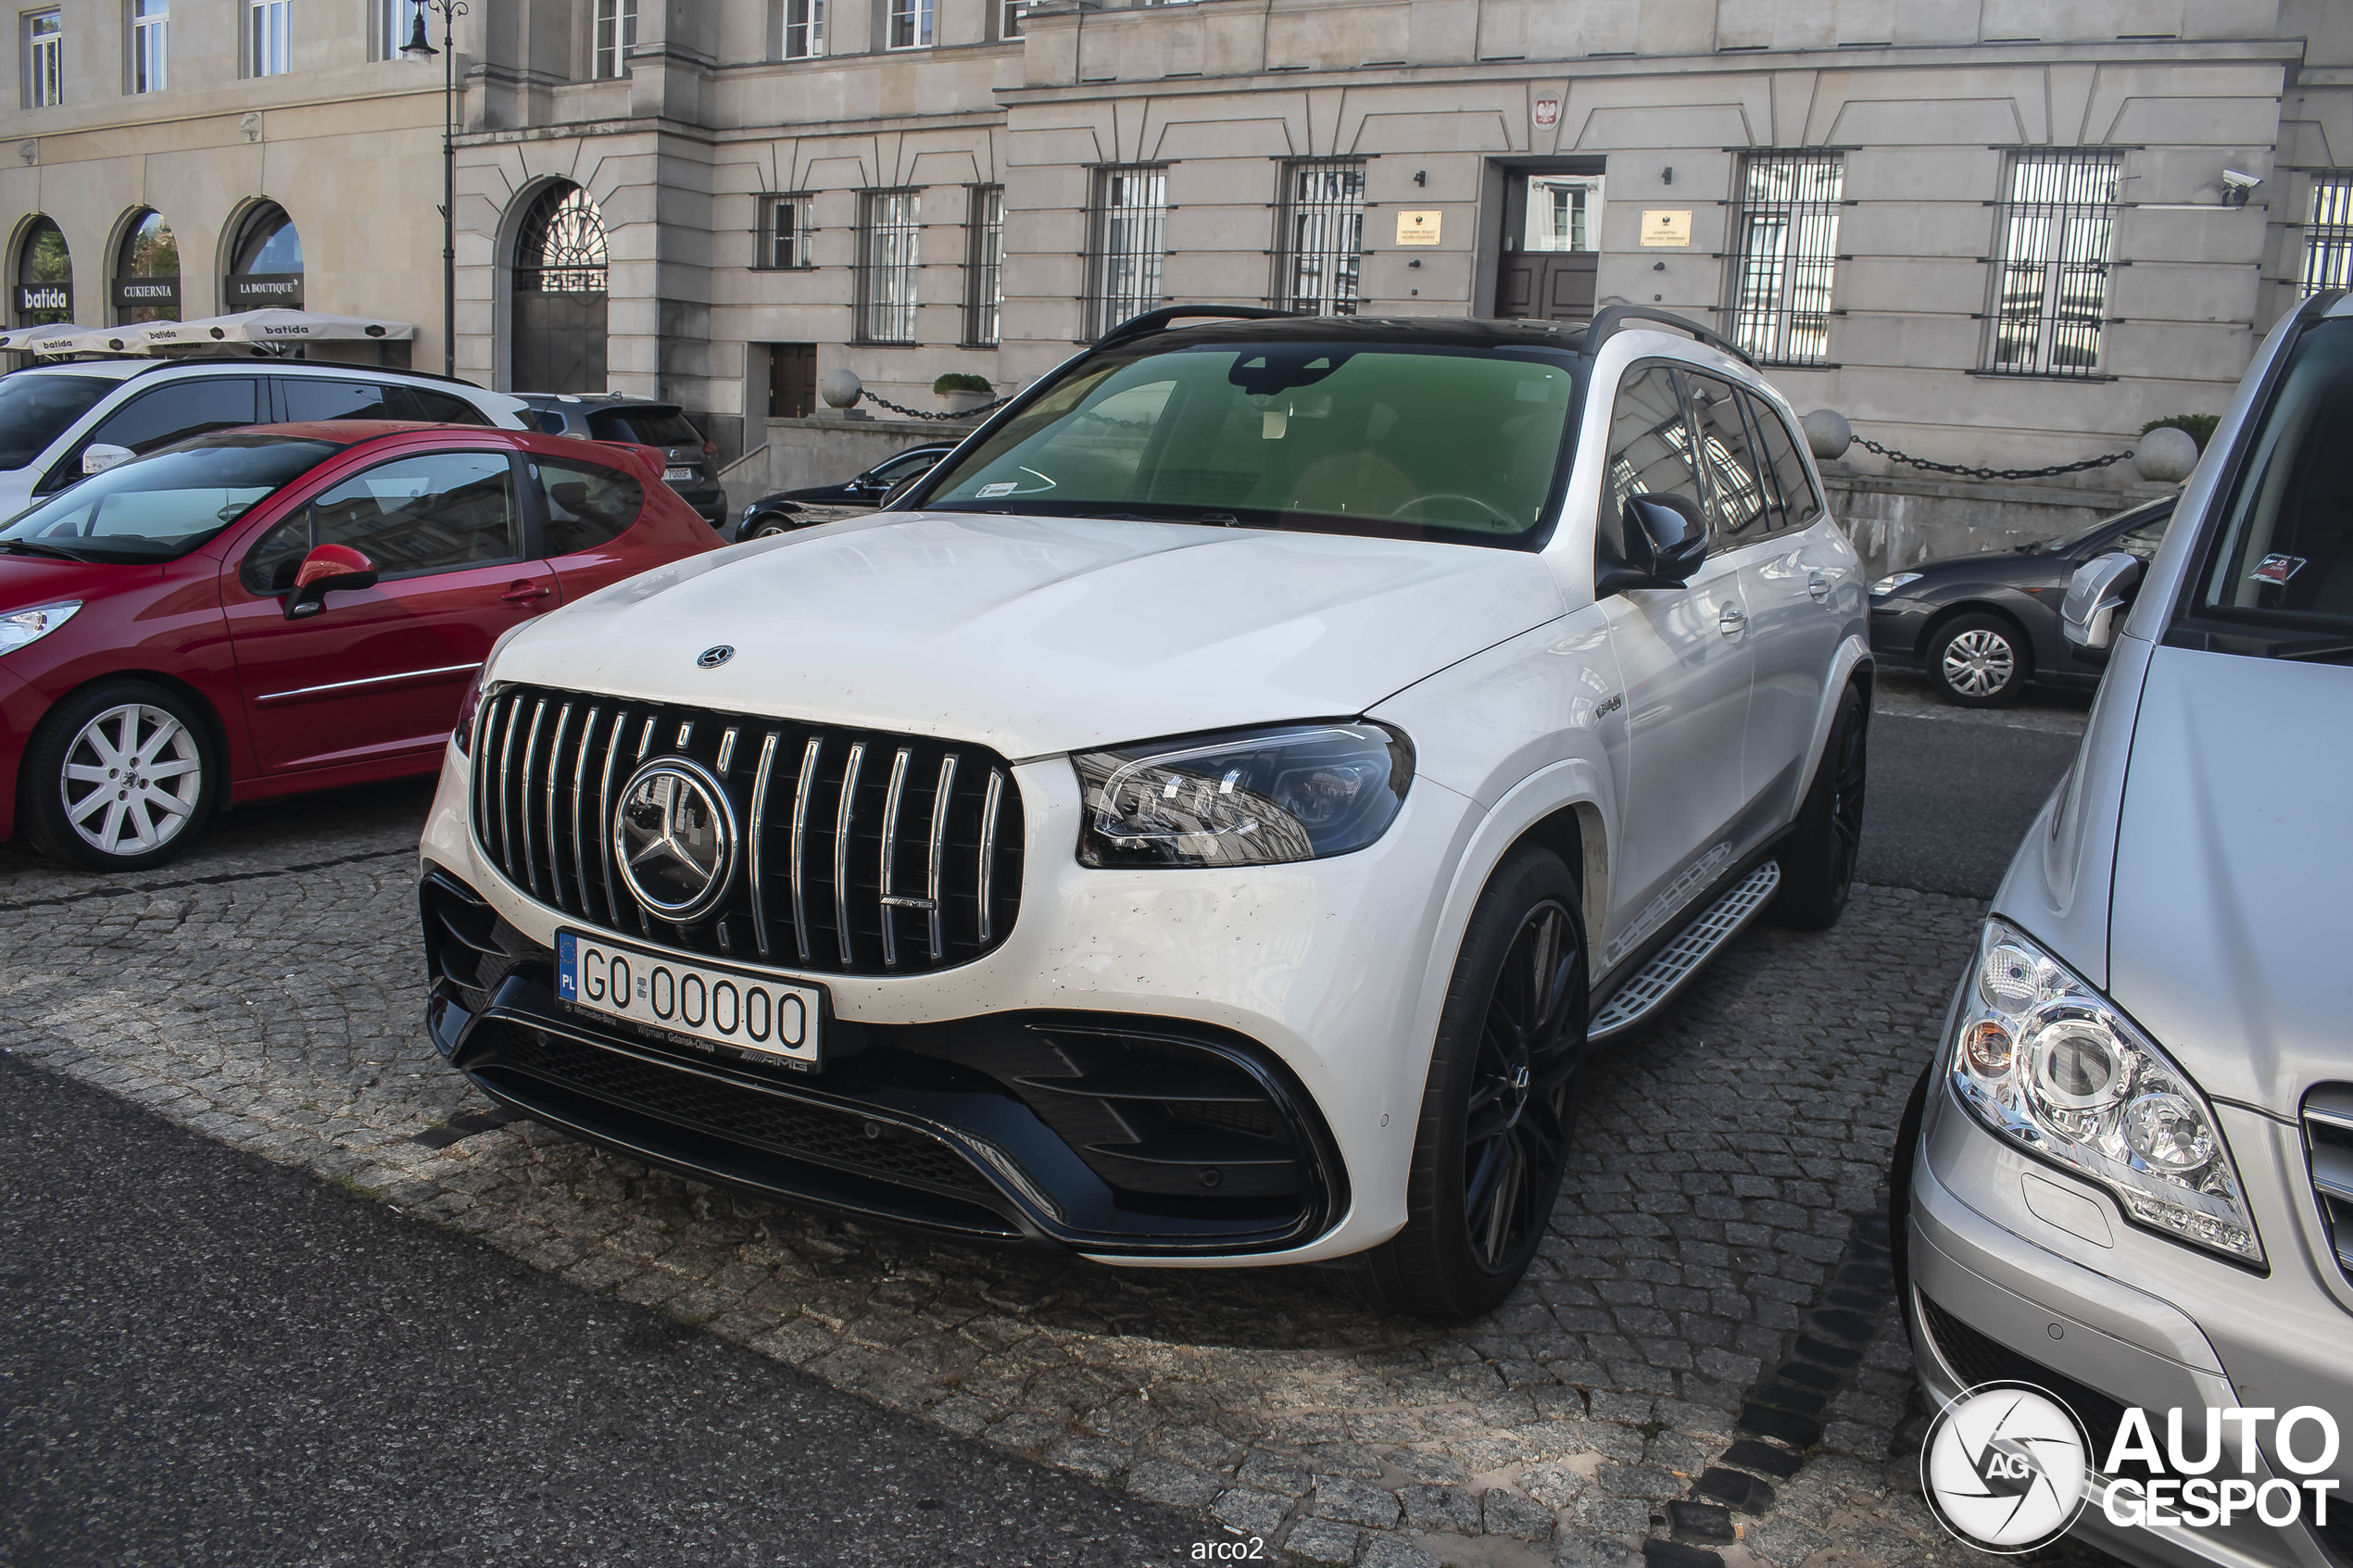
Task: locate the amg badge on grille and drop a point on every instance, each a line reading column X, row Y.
column 711, row 658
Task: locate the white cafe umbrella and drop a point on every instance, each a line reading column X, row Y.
column 272, row 325
column 22, row 340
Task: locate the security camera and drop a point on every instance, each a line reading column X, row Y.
column 2237, row 187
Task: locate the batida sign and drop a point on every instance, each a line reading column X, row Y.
column 35, row 298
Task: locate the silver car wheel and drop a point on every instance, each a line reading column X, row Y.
column 131, row 780
column 1979, row 663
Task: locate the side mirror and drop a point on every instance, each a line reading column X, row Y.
column 325, row 570
column 97, row 458
column 1666, row 541
column 2097, row 595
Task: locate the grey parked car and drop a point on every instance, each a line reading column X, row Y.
column 2128, row 1176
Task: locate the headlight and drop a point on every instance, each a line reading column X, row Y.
column 1259, row 797
column 2044, row 1060
column 1891, row 582
column 23, row 626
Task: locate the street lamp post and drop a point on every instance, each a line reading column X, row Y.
column 420, row 47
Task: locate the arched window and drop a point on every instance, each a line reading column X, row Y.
column 265, row 264
column 146, row 272
column 45, row 277
column 560, row 276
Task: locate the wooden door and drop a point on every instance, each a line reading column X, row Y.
column 792, row 380
column 1546, row 285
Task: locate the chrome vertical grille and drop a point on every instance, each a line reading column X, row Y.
column 864, row 853
column 2328, row 1139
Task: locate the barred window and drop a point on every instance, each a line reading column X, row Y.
column 1786, row 235
column 804, row 30
column 1323, row 237
column 910, row 24
column 2328, row 234
column 891, row 227
column 985, row 269
column 270, row 42
column 1129, row 244
column 785, row 231
column 616, row 34
column 2050, row 285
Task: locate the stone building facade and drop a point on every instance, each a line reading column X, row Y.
column 1988, row 231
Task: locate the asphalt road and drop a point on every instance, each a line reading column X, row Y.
column 213, row 1359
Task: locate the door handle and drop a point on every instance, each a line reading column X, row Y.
column 1819, row 585
column 522, row 594
column 1733, row 622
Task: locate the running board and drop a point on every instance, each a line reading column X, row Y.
column 1681, row 958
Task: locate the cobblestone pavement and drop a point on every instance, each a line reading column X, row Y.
column 1728, row 1168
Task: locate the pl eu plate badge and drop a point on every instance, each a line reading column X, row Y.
column 567, row 967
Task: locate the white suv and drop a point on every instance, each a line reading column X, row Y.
column 1204, row 822
column 51, row 415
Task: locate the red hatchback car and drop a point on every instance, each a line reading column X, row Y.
column 263, row 611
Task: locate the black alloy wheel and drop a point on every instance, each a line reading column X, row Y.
column 1498, row 1111
column 1819, row 858
column 1979, row 662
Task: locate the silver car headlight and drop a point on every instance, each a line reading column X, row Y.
column 22, row 626
column 1891, row 582
column 1254, row 798
column 2050, row 1064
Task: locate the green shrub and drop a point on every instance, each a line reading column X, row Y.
column 963, row 381
column 2200, row 426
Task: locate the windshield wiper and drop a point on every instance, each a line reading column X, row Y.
column 2323, row 650
column 23, row 548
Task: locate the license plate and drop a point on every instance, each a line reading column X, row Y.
column 677, row 473
column 690, row 1004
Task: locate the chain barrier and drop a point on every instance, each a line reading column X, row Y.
column 1906, row 457
column 919, row 414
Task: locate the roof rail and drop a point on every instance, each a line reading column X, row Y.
column 1157, row 321
column 1606, row 324
column 333, row 366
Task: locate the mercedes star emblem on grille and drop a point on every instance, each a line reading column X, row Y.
column 711, row 658
column 674, row 834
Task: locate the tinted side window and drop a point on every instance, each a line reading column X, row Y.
column 441, row 512
column 2143, row 541
column 172, row 413
column 1742, row 512
column 307, row 399
column 648, row 427
column 1650, row 450
column 908, row 467
column 1799, row 498
column 438, row 407
column 586, row 504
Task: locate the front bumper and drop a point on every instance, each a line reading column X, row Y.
column 1898, row 627
column 1307, row 976
column 1997, row 1291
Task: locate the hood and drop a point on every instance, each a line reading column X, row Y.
column 2227, row 930
column 26, row 581
column 1035, row 635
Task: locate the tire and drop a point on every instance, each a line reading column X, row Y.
column 1817, row 859
column 1498, row 1111
column 1979, row 662
column 770, row 528
column 73, row 765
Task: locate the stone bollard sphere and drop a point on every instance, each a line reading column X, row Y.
column 1828, row 434
column 2166, row 455
column 840, row 388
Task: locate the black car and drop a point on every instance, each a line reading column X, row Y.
column 788, row 509
column 664, row 429
column 1982, row 626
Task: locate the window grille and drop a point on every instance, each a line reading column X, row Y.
column 270, row 25
column 985, row 273
column 150, row 53
column 616, row 34
column 1012, row 18
column 804, row 30
column 1130, row 243
column 892, row 232
column 561, row 248
column 44, row 60
column 785, row 232
column 910, row 24
column 1323, row 237
column 1786, row 232
column 2328, row 234
column 2050, row 285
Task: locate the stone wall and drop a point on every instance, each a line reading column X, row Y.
column 796, row 454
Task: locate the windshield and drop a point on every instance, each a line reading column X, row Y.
column 34, row 409
column 160, row 507
column 2146, row 512
column 2285, row 559
column 1401, row 441
column 648, row 427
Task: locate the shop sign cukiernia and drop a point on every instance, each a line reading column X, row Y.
column 131, row 294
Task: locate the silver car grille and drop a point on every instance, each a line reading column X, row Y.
column 2328, row 1140
column 864, row 853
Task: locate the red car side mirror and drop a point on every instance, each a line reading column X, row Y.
column 325, row 570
